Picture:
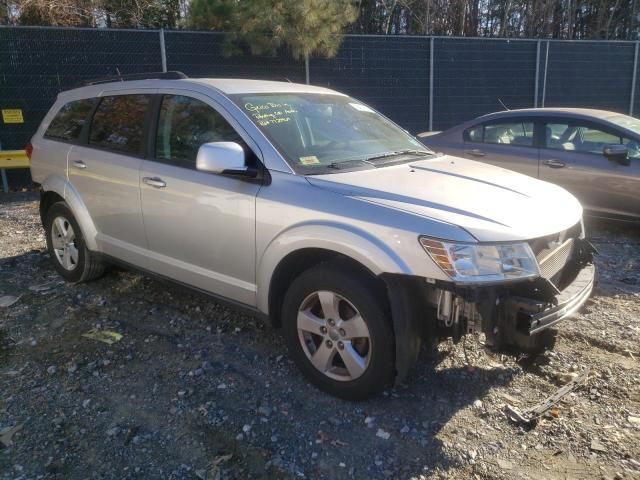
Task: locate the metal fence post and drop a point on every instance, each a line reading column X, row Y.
column 306, row 69
column 163, row 51
column 535, row 90
column 544, row 81
column 632, row 98
column 431, row 49
column 3, row 174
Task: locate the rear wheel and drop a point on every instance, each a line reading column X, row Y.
column 71, row 258
column 338, row 333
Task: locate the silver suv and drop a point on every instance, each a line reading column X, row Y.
column 310, row 208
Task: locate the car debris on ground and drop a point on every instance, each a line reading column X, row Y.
column 531, row 415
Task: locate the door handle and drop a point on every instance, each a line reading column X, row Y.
column 154, row 182
column 475, row 152
column 554, row 163
column 79, row 164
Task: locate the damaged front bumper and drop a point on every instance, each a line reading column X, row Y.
column 567, row 302
column 510, row 315
column 529, row 308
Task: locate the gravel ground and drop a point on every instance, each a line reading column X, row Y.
column 195, row 390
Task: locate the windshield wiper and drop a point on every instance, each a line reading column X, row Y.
column 367, row 160
column 396, row 153
column 340, row 164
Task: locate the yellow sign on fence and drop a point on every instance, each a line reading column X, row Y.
column 12, row 115
column 13, row 159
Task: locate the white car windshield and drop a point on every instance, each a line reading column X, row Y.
column 319, row 133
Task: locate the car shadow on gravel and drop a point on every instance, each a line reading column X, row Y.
column 18, row 197
column 436, row 395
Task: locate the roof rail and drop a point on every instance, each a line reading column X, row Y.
column 173, row 75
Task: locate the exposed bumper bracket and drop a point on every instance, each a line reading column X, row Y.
column 567, row 302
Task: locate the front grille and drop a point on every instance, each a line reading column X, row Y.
column 554, row 251
column 552, row 261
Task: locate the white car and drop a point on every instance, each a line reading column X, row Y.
column 309, row 207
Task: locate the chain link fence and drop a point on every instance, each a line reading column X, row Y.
column 420, row 82
column 37, row 63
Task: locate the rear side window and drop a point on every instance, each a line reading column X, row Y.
column 68, row 122
column 509, row 133
column 184, row 125
column 118, row 123
column 502, row 133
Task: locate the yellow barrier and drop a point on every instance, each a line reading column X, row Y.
column 14, row 159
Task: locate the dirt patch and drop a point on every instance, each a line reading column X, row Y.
column 196, row 390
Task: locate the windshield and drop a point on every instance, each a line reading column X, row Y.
column 319, row 133
column 627, row 122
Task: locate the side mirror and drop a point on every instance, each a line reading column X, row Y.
column 226, row 158
column 617, row 153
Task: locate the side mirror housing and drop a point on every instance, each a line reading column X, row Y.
column 617, row 153
column 225, row 158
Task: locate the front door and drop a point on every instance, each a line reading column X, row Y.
column 572, row 158
column 200, row 226
column 508, row 143
column 106, row 174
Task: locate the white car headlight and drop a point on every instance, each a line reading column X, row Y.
column 473, row 263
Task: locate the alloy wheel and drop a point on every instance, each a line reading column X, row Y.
column 334, row 336
column 63, row 240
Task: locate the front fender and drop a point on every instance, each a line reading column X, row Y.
column 347, row 240
column 65, row 189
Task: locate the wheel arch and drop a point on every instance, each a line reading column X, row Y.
column 297, row 262
column 56, row 189
column 299, row 248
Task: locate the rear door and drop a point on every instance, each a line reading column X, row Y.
column 200, row 226
column 572, row 158
column 105, row 173
column 508, row 143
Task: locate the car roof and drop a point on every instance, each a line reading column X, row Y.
column 232, row 86
column 226, row 86
column 572, row 112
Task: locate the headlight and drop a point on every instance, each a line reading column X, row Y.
column 472, row 263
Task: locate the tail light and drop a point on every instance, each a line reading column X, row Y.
column 29, row 150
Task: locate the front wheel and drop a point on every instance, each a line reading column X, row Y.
column 338, row 333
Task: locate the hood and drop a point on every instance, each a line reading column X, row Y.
column 491, row 203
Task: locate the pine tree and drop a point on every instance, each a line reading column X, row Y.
column 303, row 27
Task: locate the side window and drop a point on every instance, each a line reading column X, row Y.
column 509, row 133
column 186, row 123
column 118, row 123
column 68, row 122
column 579, row 138
column 474, row 134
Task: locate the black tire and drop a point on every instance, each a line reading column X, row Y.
column 88, row 266
column 368, row 298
